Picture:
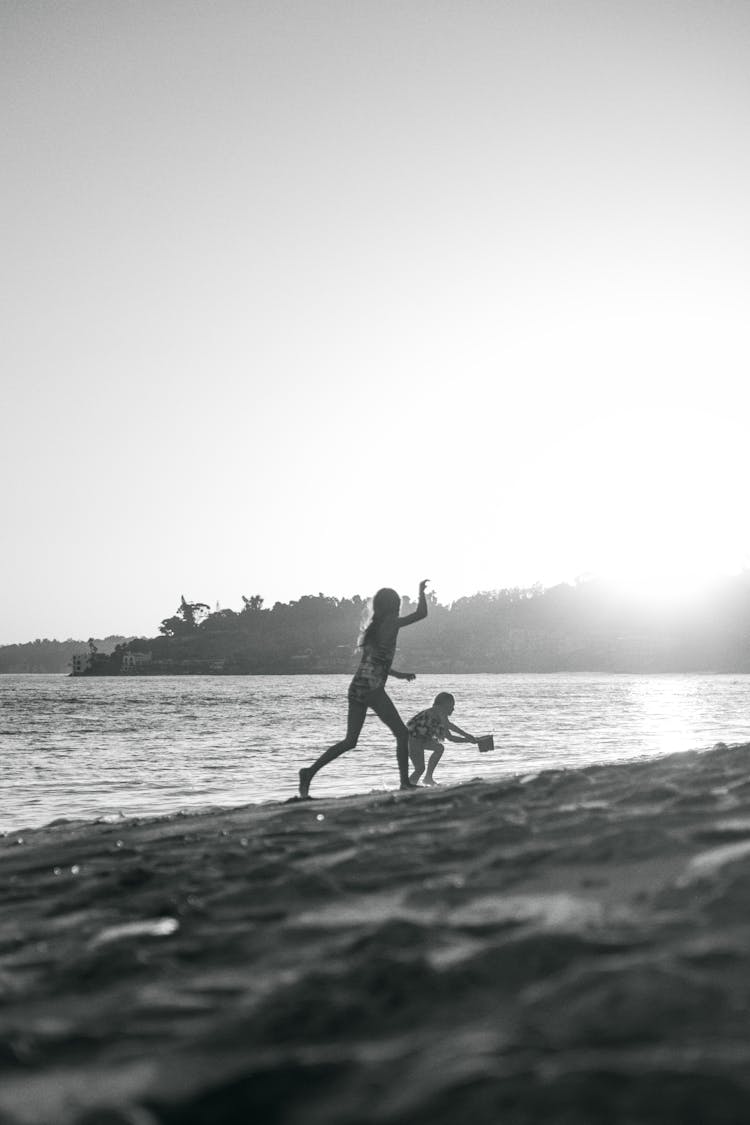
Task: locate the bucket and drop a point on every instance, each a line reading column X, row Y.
column 485, row 743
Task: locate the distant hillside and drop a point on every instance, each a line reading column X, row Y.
column 583, row 627
column 50, row 656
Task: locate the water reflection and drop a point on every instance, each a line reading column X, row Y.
column 74, row 748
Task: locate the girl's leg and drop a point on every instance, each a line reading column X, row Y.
column 354, row 724
column 416, row 753
column 435, row 756
column 385, row 709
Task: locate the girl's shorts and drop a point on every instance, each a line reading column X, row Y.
column 362, row 691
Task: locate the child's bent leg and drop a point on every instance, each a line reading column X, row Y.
column 435, row 756
column 354, row 724
column 416, row 753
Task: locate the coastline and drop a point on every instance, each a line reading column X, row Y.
column 570, row 948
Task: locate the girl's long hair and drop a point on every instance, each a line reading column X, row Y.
column 380, row 606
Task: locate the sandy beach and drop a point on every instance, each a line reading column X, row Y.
column 571, row 948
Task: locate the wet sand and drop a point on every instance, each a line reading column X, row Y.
column 570, row 949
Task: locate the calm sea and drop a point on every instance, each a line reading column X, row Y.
column 88, row 748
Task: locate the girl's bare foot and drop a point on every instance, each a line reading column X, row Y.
column 304, row 783
column 407, row 785
column 430, row 781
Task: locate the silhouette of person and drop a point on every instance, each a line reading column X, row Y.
column 367, row 688
column 428, row 730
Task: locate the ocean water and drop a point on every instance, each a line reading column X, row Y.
column 110, row 747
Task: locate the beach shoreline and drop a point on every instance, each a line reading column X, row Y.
column 568, row 948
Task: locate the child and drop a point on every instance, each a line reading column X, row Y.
column 367, row 689
column 425, row 733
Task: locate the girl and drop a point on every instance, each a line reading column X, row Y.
column 367, row 689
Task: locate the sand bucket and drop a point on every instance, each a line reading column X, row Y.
column 485, row 743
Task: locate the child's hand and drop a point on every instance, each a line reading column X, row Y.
column 410, row 676
column 423, row 585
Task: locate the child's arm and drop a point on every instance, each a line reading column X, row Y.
column 402, row 675
column 421, row 610
column 464, row 736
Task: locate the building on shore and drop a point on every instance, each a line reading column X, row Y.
column 90, row 663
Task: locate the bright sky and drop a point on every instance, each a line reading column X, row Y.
column 304, row 296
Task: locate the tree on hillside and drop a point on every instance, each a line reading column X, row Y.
column 186, row 620
column 253, row 604
column 221, row 621
column 192, row 613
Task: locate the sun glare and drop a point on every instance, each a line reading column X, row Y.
column 670, row 569
column 664, row 588
column 666, row 506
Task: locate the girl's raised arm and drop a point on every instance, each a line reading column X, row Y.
column 420, row 611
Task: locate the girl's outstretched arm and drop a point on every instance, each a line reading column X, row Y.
column 402, row 675
column 421, row 610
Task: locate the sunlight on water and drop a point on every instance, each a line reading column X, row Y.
column 108, row 747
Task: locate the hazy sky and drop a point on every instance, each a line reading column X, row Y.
column 305, row 296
